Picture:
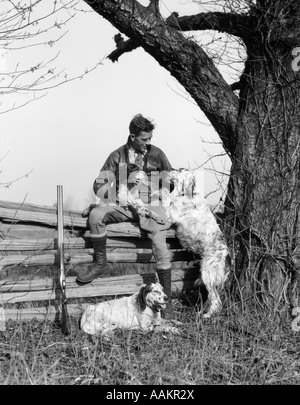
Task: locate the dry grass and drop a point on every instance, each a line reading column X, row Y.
column 240, row 346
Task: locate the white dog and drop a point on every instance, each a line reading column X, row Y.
column 138, row 311
column 198, row 232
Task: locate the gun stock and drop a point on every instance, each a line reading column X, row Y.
column 62, row 276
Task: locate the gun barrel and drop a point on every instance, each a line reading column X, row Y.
column 60, row 226
column 60, row 243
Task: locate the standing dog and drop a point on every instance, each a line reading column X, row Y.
column 141, row 311
column 198, row 232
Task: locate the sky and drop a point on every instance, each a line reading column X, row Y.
column 66, row 134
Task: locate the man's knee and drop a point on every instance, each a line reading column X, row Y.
column 95, row 220
column 159, row 239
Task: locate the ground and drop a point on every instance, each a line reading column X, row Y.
column 244, row 344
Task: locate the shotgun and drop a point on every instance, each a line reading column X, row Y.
column 61, row 264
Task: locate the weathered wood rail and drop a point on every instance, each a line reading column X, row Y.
column 28, row 259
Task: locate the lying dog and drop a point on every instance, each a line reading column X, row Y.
column 198, row 232
column 141, row 311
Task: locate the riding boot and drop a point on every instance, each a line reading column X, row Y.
column 164, row 277
column 100, row 267
column 148, row 278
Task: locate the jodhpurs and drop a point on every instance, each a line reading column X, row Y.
column 102, row 216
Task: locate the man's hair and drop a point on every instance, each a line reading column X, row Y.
column 140, row 124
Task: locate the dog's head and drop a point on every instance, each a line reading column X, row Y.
column 184, row 181
column 152, row 295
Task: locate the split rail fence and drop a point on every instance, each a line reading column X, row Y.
column 29, row 285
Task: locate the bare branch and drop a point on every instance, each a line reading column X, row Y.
column 8, row 184
column 230, row 23
column 122, row 47
column 27, row 25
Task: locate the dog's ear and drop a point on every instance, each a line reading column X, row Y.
column 190, row 184
column 141, row 298
column 193, row 185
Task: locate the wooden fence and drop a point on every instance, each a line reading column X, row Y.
column 28, row 261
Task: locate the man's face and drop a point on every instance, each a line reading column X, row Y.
column 140, row 142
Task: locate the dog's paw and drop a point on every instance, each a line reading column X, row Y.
column 173, row 330
column 175, row 322
column 156, row 217
column 86, row 212
column 160, row 221
column 164, row 328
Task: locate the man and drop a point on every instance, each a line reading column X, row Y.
column 136, row 154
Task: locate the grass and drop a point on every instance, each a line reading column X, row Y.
column 243, row 345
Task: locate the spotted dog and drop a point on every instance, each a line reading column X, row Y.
column 140, row 311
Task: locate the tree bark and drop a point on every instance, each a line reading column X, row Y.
column 264, row 191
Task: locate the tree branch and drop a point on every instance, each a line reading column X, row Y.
column 129, row 45
column 154, row 7
column 233, row 24
column 122, row 47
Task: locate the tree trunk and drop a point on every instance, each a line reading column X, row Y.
column 263, row 198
